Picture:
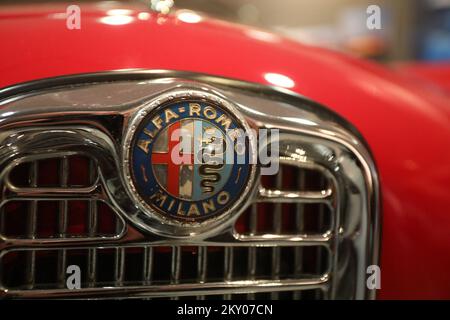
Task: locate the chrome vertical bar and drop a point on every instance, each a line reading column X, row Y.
column 228, row 268
column 62, row 221
column 321, row 220
column 32, row 226
column 325, row 291
column 92, row 267
column 277, row 223
column 148, row 265
column 251, row 271
column 300, row 226
column 2, row 220
column 202, row 263
column 92, row 229
column 119, row 266
column 176, row 266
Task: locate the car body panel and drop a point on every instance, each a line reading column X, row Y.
column 437, row 74
column 405, row 125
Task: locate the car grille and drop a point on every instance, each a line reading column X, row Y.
column 308, row 232
column 162, row 268
column 40, row 218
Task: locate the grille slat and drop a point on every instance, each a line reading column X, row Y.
column 252, row 251
column 321, row 222
column 119, row 269
column 92, row 229
column 92, row 267
column 32, row 226
column 299, row 223
column 148, row 265
column 64, row 173
column 279, row 196
column 277, row 220
column 202, row 264
column 2, row 220
column 175, row 266
column 92, row 216
column 228, row 267
column 119, row 266
column 207, row 289
column 62, row 223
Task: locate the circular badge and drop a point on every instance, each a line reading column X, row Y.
column 188, row 161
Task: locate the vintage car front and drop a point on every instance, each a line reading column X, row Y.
column 145, row 154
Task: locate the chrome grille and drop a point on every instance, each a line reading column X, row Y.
column 287, row 268
column 30, row 211
column 308, row 232
column 146, row 268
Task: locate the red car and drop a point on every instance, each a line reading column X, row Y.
column 105, row 123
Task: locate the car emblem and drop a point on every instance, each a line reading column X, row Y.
column 188, row 160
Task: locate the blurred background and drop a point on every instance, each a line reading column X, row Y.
column 410, row 29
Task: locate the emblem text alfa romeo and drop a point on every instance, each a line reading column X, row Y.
column 188, row 159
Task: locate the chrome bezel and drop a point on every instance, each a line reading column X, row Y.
column 154, row 221
column 87, row 113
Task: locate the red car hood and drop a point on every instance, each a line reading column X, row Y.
column 437, row 74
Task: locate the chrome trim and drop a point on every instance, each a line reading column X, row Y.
column 87, row 114
column 279, row 196
column 30, row 272
column 171, row 290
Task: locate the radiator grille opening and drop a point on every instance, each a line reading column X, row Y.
column 70, row 171
column 139, row 267
column 15, row 216
column 269, row 217
column 154, row 266
column 315, row 218
column 28, row 217
column 294, row 178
